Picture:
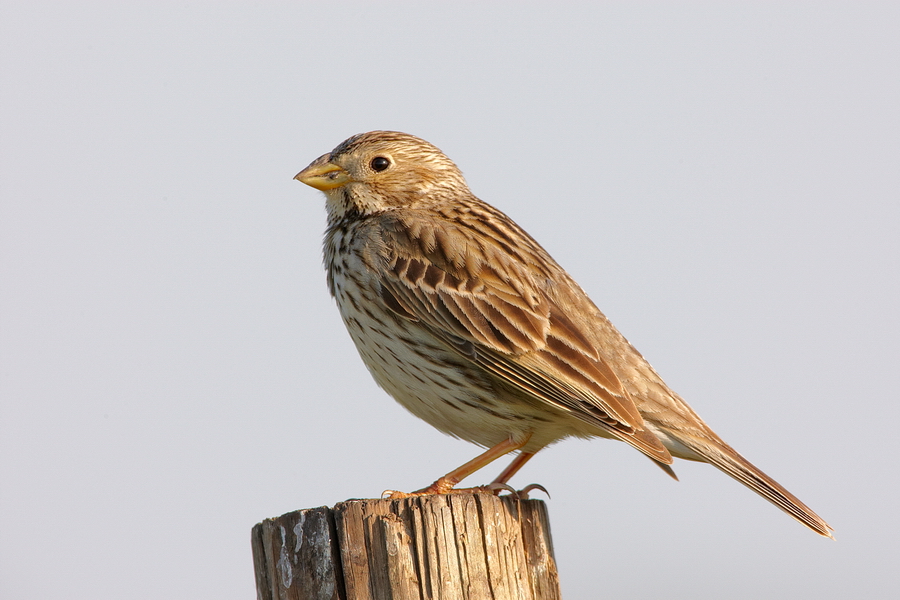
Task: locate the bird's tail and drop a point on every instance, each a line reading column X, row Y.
column 726, row 459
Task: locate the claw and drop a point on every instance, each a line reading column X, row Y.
column 497, row 487
column 523, row 493
column 393, row 495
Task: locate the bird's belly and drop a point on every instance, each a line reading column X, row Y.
column 430, row 380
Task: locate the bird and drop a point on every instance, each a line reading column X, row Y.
column 470, row 324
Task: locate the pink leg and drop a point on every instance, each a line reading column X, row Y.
column 514, row 467
column 445, row 484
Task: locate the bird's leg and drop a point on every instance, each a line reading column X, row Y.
column 503, row 478
column 513, row 468
column 445, row 484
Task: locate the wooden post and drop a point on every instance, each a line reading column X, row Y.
column 454, row 546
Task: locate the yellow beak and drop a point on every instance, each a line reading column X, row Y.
column 323, row 175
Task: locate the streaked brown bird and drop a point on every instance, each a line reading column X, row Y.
column 469, row 323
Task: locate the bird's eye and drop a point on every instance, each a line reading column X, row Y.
column 379, row 163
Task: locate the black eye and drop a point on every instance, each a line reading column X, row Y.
column 379, row 163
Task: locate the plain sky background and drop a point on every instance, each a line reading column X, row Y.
column 722, row 178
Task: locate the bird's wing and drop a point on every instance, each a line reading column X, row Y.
column 488, row 299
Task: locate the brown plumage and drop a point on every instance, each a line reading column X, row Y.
column 467, row 322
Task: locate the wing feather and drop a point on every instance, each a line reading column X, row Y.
column 494, row 307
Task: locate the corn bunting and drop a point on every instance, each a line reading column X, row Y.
column 469, row 323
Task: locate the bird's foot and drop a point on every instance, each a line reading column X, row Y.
column 522, row 494
column 444, row 485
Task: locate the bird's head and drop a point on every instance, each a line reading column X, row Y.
column 383, row 170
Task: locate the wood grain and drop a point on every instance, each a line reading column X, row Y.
column 452, row 547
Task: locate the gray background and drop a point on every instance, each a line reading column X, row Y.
column 721, row 178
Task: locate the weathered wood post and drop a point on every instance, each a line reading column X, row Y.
column 455, row 546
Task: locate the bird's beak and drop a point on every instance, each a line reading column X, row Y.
column 323, row 175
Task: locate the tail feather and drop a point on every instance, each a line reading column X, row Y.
column 738, row 467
